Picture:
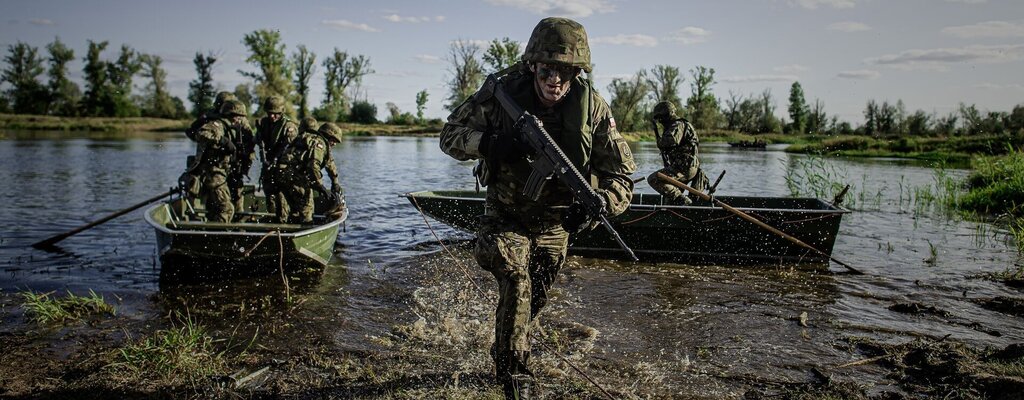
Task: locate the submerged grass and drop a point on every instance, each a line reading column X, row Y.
column 42, row 308
column 184, row 352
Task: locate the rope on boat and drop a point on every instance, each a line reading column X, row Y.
column 482, row 294
column 280, row 258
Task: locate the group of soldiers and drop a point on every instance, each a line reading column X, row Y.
column 291, row 156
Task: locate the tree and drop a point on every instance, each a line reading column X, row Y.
column 119, row 76
column 200, row 91
column 246, row 95
column 23, row 69
column 817, row 120
column 627, row 98
column 501, row 54
column 665, row 85
column 871, row 118
column 918, row 124
column 467, row 72
column 732, row 110
column 63, row 93
column 798, row 110
column 702, row 105
column 767, row 121
column 341, row 72
column 266, row 52
column 95, row 80
column 421, row 104
column 304, row 61
column 157, row 101
column 363, row 112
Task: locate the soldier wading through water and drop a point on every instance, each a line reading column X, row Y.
column 523, row 242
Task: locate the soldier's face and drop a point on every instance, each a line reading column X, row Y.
column 274, row 117
column 552, row 81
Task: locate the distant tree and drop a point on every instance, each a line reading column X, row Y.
column 397, row 117
column 702, row 106
column 119, row 75
column 421, row 104
column 798, row 110
column 341, row 72
column 200, row 90
column 627, row 97
column 918, row 124
column 664, row 84
column 63, row 93
column 886, row 119
column 363, row 112
column 732, row 111
column 817, row 120
column 946, row 126
column 266, row 53
column 157, row 102
column 245, row 94
column 24, row 66
column 1015, row 120
column 501, row 54
column 767, row 121
column 871, row 118
column 305, row 66
column 95, row 71
column 467, row 72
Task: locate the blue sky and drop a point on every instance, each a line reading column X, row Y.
column 932, row 54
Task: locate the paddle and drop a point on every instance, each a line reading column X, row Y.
column 753, row 220
column 52, row 240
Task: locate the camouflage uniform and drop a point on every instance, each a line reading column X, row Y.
column 678, row 144
column 210, row 115
column 521, row 241
column 301, row 174
column 214, row 160
column 274, row 139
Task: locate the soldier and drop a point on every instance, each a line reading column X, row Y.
column 215, row 155
column 301, row 174
column 245, row 143
column 274, row 134
column 210, row 115
column 520, row 241
column 678, row 145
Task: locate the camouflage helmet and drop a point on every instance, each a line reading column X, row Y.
column 664, row 110
column 221, row 98
column 274, row 104
column 232, row 108
column 330, row 131
column 308, row 124
column 559, row 41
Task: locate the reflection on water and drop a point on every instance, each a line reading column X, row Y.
column 666, row 314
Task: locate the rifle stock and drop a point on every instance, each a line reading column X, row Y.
column 549, row 161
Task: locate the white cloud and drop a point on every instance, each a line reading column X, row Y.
column 399, row 18
column 759, row 78
column 992, row 29
column 995, row 86
column 814, row 4
column 427, row 59
column 41, row 21
column 861, row 74
column 848, row 26
column 940, row 58
column 346, row 25
column 790, row 69
column 689, row 35
column 561, row 8
column 630, row 40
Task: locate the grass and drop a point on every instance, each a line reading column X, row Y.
column 185, row 352
column 42, row 308
column 943, row 149
column 92, row 124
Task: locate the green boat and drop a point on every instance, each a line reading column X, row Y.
column 696, row 233
column 184, row 236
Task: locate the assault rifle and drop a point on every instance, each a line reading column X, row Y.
column 548, row 160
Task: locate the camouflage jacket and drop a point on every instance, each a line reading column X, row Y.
column 274, row 139
column 211, row 153
column 308, row 155
column 581, row 124
column 678, row 145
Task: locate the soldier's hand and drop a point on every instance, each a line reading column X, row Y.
column 335, row 187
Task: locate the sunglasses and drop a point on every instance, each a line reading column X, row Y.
column 564, row 73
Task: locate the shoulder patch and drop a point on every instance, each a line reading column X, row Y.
column 319, row 144
column 611, row 123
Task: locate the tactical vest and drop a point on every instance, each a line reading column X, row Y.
column 677, row 149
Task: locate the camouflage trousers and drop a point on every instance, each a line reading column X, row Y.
column 693, row 176
column 217, row 197
column 297, row 196
column 235, row 187
column 271, row 178
column 524, row 264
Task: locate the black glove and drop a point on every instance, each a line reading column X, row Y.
column 576, row 219
column 504, row 146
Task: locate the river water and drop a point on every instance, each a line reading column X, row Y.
column 678, row 330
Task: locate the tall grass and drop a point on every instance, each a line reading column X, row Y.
column 43, row 308
column 183, row 352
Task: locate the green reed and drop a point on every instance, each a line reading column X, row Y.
column 44, row 308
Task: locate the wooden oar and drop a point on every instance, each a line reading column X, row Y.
column 755, row 221
column 53, row 240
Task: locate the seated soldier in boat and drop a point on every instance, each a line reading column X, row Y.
column 678, row 144
column 302, row 175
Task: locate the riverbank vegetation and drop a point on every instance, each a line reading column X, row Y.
column 45, row 308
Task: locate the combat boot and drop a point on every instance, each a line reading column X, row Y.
column 518, row 387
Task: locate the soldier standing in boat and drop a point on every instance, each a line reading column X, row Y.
column 210, row 115
column 522, row 241
column 678, row 144
column 274, row 133
column 215, row 158
column 301, row 172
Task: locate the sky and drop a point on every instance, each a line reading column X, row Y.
column 931, row 54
